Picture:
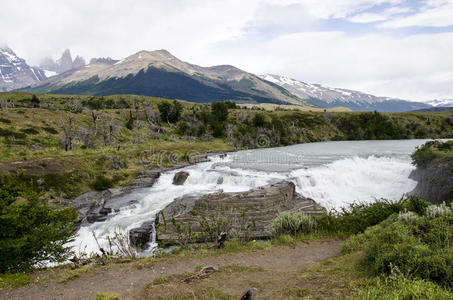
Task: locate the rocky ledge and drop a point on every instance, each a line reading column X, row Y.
column 434, row 182
column 239, row 209
column 98, row 206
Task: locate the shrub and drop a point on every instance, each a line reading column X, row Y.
column 170, row 112
column 29, row 131
column 431, row 151
column 434, row 211
column 421, row 248
column 101, row 183
column 408, row 217
column 359, row 216
column 50, row 130
column 4, row 120
column 31, row 233
column 219, row 111
column 293, row 223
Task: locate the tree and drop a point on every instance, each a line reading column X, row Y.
column 219, row 111
column 170, row 112
column 31, row 233
column 35, row 101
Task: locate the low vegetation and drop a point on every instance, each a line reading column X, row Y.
column 433, row 151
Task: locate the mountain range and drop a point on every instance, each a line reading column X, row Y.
column 328, row 97
column 159, row 73
column 15, row 73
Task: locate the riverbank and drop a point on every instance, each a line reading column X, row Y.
column 74, row 144
column 434, row 173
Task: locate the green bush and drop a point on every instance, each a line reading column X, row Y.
column 101, row 183
column 31, row 233
column 50, row 130
column 403, row 288
column 293, row 223
column 421, row 248
column 170, row 112
column 359, row 216
column 4, row 120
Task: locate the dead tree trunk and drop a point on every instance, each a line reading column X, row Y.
column 69, row 133
column 95, row 118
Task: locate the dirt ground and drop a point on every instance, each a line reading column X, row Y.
column 274, row 271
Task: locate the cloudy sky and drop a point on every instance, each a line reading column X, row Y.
column 386, row 47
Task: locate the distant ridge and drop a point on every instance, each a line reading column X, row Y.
column 328, row 97
column 159, row 73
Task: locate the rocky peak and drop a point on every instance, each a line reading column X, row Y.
column 14, row 71
column 78, row 62
column 104, row 60
column 65, row 62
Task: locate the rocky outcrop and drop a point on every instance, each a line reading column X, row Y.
column 180, row 178
column 15, row 72
column 97, row 206
column 254, row 209
column 141, row 236
column 435, row 182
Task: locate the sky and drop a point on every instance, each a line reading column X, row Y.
column 392, row 48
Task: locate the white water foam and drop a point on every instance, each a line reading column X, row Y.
column 333, row 185
column 355, row 179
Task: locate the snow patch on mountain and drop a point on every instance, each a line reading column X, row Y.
column 14, row 71
column 441, row 102
column 328, row 97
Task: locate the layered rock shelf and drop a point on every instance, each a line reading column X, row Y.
column 239, row 209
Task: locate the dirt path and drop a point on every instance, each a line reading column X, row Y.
column 129, row 281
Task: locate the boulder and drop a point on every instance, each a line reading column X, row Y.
column 256, row 209
column 141, row 236
column 180, row 178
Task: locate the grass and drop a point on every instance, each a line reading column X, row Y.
column 108, row 296
column 71, row 274
column 14, row 280
column 402, row 288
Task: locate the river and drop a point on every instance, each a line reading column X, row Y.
column 334, row 174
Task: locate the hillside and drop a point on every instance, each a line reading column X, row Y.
column 328, row 97
column 160, row 74
column 113, row 138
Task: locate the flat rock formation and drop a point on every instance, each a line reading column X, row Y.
column 255, row 209
column 435, row 182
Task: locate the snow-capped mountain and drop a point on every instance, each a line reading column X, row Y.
column 15, row 73
column 159, row 73
column 328, row 97
column 61, row 65
column 441, row 102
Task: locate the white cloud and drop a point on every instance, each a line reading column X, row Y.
column 237, row 32
column 434, row 14
column 368, row 18
column 417, row 67
column 382, row 16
